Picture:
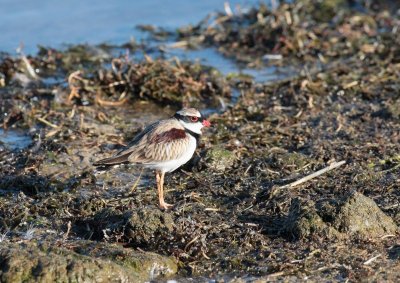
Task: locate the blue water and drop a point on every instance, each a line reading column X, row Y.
column 210, row 56
column 56, row 23
column 53, row 23
column 14, row 139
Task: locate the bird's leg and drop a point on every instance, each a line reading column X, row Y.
column 158, row 181
column 158, row 184
column 160, row 187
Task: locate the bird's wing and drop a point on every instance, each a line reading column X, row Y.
column 122, row 156
column 168, row 141
column 150, row 128
column 162, row 141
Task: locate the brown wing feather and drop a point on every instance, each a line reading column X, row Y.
column 169, row 135
column 161, row 141
column 115, row 160
column 169, row 141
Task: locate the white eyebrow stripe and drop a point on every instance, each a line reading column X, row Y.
column 189, row 112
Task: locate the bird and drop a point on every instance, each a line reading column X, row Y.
column 163, row 146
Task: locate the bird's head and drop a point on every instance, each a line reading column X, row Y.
column 192, row 120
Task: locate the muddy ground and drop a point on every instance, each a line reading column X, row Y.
column 235, row 213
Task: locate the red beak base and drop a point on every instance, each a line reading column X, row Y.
column 206, row 123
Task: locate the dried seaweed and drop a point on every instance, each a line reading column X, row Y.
column 305, row 30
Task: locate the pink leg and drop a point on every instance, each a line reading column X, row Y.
column 160, row 187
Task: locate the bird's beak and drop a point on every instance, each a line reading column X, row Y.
column 206, row 123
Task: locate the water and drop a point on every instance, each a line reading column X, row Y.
column 210, row 56
column 57, row 23
column 14, row 139
column 53, row 23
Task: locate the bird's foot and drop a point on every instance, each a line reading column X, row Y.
column 165, row 206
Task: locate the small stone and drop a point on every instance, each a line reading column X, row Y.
column 145, row 224
column 88, row 262
column 141, row 227
column 219, row 158
column 360, row 215
column 356, row 215
column 304, row 221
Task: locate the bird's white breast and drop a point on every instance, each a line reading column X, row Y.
column 172, row 165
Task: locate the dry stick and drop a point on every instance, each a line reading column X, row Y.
column 110, row 103
column 136, row 182
column 315, row 174
column 29, row 68
column 372, row 259
column 48, row 123
column 68, row 230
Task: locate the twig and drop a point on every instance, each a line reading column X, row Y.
column 74, row 89
column 68, row 230
column 110, row 103
column 148, row 58
column 136, row 182
column 204, row 254
column 228, row 9
column 391, row 206
column 279, row 273
column 372, row 259
column 47, row 123
column 211, row 209
column 29, row 68
column 179, row 44
column 315, row 174
column 391, row 169
column 191, row 242
column 350, row 85
column 81, row 121
column 387, row 236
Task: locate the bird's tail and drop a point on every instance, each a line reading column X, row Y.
column 115, row 160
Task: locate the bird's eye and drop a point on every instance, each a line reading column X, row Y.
column 194, row 118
